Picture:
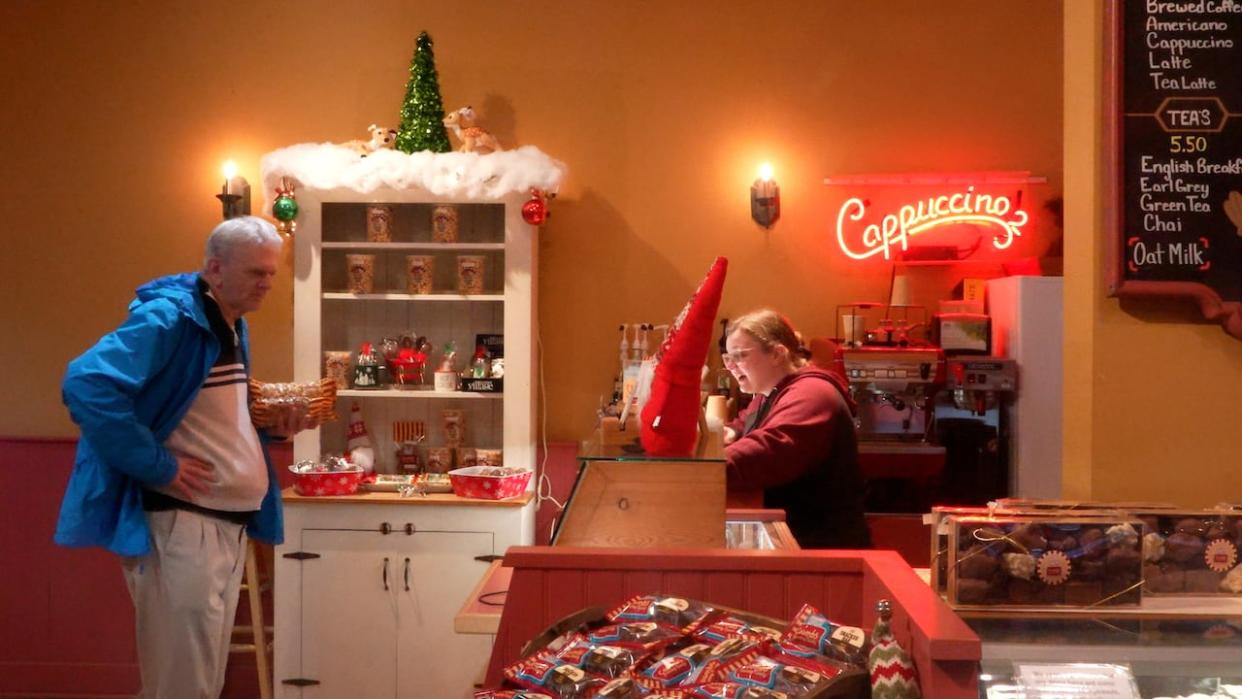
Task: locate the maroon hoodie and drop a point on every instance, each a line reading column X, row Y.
column 798, row 445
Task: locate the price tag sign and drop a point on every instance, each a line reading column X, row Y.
column 1073, row 680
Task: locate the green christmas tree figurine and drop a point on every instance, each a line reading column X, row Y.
column 422, row 112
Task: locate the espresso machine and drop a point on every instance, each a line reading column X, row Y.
column 894, row 388
column 971, row 424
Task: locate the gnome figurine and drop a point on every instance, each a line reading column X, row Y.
column 361, row 453
column 893, row 675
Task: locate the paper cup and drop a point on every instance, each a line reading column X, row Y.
column 419, row 271
column 454, row 422
column 470, row 270
column 445, row 381
column 379, row 223
column 467, row 457
column 444, row 224
column 439, row 460
column 336, row 367
column 360, row 273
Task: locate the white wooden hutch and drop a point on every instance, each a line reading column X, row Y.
column 366, row 586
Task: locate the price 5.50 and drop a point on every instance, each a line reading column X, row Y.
column 1187, row 144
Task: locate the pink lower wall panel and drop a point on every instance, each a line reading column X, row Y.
column 67, row 626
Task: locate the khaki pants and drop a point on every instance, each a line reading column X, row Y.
column 185, row 599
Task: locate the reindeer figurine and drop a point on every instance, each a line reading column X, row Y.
column 474, row 139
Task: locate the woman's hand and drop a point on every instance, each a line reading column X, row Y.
column 729, row 435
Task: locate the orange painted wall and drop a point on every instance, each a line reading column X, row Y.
column 118, row 115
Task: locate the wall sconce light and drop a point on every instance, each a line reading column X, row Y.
column 765, row 198
column 235, row 195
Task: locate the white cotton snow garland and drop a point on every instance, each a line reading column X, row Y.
column 326, row 166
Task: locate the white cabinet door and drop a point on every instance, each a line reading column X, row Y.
column 433, row 660
column 349, row 621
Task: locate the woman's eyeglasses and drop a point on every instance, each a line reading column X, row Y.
column 732, row 358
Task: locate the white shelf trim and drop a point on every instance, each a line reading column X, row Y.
column 415, row 393
column 347, row 296
column 411, row 246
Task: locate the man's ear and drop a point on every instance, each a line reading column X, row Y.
column 211, row 269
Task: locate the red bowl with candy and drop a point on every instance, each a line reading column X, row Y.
column 340, row 482
column 489, row 482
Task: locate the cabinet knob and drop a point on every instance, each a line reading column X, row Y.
column 409, row 528
column 385, row 528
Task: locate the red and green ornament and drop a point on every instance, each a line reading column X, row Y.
column 893, row 675
column 285, row 208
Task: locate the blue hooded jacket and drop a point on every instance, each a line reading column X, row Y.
column 127, row 394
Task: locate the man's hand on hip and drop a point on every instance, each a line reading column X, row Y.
column 192, row 479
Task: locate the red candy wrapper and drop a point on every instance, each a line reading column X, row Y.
column 510, row 694
column 621, row 688
column 791, row 676
column 725, row 627
column 730, row 690
column 676, row 669
column 812, row 630
column 650, row 636
column 547, row 674
column 686, row 615
column 600, row 659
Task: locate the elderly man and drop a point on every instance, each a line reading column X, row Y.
column 170, row 473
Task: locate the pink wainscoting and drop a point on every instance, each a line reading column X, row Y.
column 66, row 622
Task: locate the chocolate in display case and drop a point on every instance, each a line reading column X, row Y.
column 1191, row 552
column 1003, row 562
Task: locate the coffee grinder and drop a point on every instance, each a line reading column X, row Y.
column 972, row 425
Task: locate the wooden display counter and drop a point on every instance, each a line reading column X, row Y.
column 549, row 583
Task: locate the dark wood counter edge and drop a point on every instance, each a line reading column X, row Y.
column 385, row 498
column 1211, row 305
column 743, row 514
column 928, row 615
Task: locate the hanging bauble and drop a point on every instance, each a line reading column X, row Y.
column 285, row 209
column 535, row 211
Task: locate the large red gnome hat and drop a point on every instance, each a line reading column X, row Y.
column 670, row 417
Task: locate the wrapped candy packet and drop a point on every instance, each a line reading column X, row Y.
column 790, row 676
column 727, row 626
column 510, row 694
column 683, row 614
column 730, row 690
column 548, row 674
column 621, row 688
column 812, row 630
column 600, row 659
column 676, row 669
column 650, row 636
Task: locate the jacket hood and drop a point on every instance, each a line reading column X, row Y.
column 180, row 289
column 810, row 372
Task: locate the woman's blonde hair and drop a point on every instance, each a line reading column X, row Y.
column 770, row 329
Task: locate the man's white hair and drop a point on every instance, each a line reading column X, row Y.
column 236, row 232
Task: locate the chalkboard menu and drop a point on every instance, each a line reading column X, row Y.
column 1178, row 89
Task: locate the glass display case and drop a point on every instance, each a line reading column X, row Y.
column 1191, row 647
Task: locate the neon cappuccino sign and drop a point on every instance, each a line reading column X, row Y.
column 895, row 229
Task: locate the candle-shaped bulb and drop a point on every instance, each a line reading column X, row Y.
column 230, row 171
column 765, row 172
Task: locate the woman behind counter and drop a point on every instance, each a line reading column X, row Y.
column 796, row 440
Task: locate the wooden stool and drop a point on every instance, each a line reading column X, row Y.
column 259, row 635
